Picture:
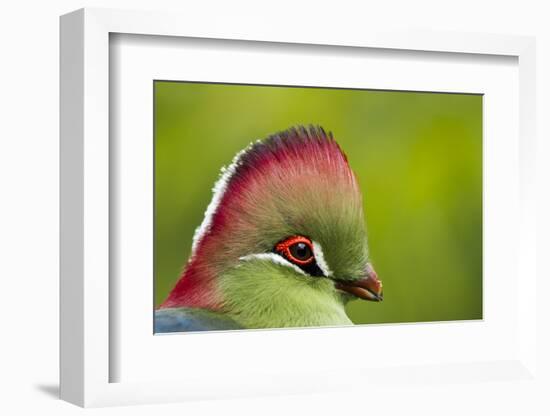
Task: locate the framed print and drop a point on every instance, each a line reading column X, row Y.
column 295, row 198
column 424, row 172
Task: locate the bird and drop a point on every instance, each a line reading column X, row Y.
column 283, row 242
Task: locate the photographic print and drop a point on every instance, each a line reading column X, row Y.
column 286, row 206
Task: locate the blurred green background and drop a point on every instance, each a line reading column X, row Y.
column 418, row 158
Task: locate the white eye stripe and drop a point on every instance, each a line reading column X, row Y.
column 274, row 258
column 320, row 259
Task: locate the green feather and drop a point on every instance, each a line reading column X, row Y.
column 262, row 294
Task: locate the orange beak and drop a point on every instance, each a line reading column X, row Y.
column 368, row 288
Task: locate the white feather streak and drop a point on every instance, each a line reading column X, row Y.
column 218, row 192
column 320, row 259
column 274, row 258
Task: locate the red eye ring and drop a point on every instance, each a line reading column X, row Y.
column 285, row 247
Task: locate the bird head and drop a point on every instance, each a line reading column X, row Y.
column 283, row 239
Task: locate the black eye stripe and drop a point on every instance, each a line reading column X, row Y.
column 312, row 269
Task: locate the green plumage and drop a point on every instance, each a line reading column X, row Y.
column 261, row 294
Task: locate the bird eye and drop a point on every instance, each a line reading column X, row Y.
column 296, row 249
column 300, row 251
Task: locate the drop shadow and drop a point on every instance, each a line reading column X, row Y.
column 51, row 390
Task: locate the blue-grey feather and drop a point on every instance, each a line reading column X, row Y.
column 190, row 320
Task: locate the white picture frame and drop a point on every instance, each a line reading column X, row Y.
column 87, row 354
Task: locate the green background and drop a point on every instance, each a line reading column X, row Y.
column 418, row 158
